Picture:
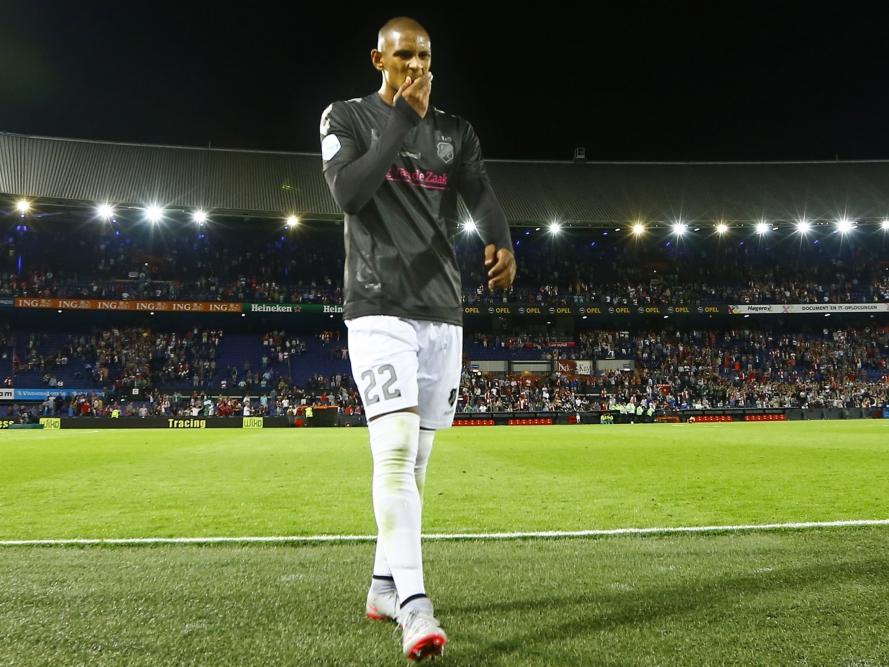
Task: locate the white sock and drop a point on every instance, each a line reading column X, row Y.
column 381, row 565
column 381, row 585
column 394, row 444
column 424, row 449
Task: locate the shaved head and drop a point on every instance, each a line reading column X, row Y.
column 404, row 51
column 397, row 26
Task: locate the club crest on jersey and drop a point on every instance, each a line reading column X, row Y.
column 446, row 151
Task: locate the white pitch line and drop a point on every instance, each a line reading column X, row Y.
column 455, row 536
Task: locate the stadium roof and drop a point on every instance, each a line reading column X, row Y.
column 273, row 184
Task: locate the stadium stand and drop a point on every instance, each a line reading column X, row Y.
column 619, row 305
column 580, row 268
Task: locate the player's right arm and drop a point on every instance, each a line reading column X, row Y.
column 352, row 177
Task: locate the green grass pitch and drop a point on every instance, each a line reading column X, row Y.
column 810, row 597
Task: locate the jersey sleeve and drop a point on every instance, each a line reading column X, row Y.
column 475, row 188
column 353, row 177
column 338, row 146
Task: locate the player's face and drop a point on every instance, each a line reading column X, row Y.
column 404, row 53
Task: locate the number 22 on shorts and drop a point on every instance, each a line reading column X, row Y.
column 387, row 372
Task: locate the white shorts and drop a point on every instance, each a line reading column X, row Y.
column 399, row 363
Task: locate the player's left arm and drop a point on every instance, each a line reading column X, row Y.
column 490, row 220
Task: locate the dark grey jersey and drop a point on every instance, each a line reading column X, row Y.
column 396, row 177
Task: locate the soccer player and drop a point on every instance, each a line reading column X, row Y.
column 395, row 166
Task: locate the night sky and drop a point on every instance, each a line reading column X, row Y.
column 648, row 82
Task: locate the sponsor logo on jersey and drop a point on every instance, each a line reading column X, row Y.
column 428, row 180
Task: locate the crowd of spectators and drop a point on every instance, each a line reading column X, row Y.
column 667, row 369
column 270, row 265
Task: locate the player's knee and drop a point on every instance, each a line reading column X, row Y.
column 393, row 440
